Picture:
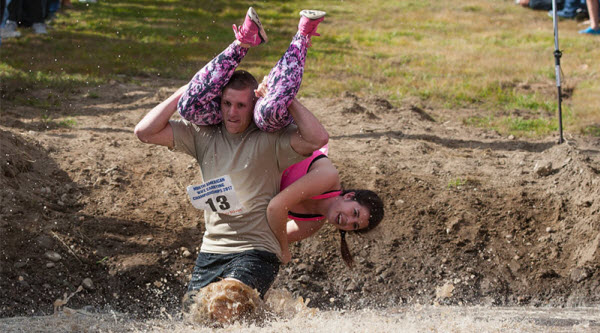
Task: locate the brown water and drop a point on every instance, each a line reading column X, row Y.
column 405, row 319
column 222, row 303
column 214, row 307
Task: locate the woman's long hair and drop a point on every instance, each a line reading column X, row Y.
column 374, row 204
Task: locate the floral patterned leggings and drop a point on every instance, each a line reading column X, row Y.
column 201, row 102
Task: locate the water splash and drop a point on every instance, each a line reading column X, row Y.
column 223, row 302
column 281, row 312
column 230, row 301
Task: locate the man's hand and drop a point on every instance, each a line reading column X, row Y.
column 262, row 89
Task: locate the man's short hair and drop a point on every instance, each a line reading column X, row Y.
column 241, row 80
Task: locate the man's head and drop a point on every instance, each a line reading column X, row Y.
column 237, row 101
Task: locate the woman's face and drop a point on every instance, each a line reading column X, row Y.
column 347, row 214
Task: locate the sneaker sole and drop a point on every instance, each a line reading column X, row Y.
column 261, row 31
column 312, row 14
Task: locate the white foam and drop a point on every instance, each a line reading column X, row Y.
column 405, row 319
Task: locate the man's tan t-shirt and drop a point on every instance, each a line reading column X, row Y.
column 255, row 161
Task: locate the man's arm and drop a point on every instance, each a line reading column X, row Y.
column 311, row 134
column 154, row 127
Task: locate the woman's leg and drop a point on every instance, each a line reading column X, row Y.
column 200, row 103
column 283, row 82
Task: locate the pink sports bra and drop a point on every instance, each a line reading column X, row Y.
column 295, row 172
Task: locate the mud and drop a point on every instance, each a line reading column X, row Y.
column 223, row 303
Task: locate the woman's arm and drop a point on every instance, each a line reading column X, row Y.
column 322, row 177
column 297, row 231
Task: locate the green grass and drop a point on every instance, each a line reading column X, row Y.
column 518, row 126
column 592, row 130
column 67, row 122
column 48, row 121
column 457, row 182
column 460, row 182
column 476, row 54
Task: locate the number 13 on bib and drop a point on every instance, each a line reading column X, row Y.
column 216, row 195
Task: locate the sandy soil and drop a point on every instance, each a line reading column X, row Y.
column 472, row 217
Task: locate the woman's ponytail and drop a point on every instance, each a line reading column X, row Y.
column 346, row 256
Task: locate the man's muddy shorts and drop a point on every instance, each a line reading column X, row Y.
column 255, row 268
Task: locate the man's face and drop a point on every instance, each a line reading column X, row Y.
column 237, row 107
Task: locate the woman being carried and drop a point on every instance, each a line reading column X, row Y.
column 310, row 195
column 310, row 191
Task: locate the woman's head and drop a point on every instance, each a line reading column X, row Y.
column 357, row 210
column 365, row 209
column 373, row 203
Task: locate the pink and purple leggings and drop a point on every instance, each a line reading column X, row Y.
column 201, row 102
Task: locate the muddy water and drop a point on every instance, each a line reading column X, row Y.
column 405, row 319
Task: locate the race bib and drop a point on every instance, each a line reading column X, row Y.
column 216, row 195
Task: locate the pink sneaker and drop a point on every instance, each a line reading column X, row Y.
column 251, row 32
column 309, row 21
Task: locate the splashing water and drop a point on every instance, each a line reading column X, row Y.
column 229, row 301
column 224, row 302
column 281, row 312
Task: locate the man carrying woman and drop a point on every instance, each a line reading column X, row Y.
column 246, row 139
column 232, row 150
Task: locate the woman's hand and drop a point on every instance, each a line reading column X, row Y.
column 286, row 256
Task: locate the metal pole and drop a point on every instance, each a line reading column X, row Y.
column 557, row 55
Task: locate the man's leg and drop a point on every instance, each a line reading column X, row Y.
column 255, row 268
column 283, row 82
column 222, row 282
column 208, row 269
column 594, row 12
column 200, row 103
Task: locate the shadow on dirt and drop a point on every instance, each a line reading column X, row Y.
column 509, row 145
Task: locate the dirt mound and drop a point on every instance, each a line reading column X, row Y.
column 471, row 217
column 500, row 221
